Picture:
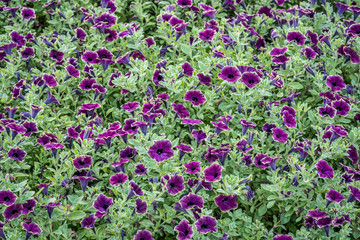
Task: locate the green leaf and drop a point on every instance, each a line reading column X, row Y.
column 295, row 85
column 262, row 209
column 77, row 215
column 270, row 204
column 186, row 49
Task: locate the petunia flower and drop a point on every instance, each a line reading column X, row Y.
column 325, row 223
column 28, row 13
column 229, row 74
column 193, row 167
column 175, row 184
column 278, row 51
column 213, row 173
column 180, row 110
column 354, row 194
column 341, row 8
column 54, row 148
column 342, row 108
column 206, row 224
column 250, row 79
column 324, row 169
column 90, row 57
column 45, row 188
column 190, row 201
column 7, row 197
column 51, row 99
column 333, row 196
column 82, row 162
column 184, row 3
column 28, row 206
column 279, row 135
column 89, row 222
column 16, row 154
column 199, row 136
column 141, row 206
column 207, row 35
column 246, row 125
column 31, row 228
column 184, row 230
column 335, row 83
column 195, row 97
column 226, row 203
column 327, row 111
column 143, row 235
column 283, row 237
column 353, row 154
column 27, row 52
column 219, row 127
column 118, row 179
column 103, row 203
column 296, row 37
column 50, row 207
column 80, row 34
column 84, row 181
column 161, row 150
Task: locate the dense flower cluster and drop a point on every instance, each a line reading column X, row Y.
column 196, row 120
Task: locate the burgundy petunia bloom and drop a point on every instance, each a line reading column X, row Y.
column 184, row 3
column 184, row 230
column 230, row 74
column 161, row 150
column 341, row 8
column 353, row 154
column 130, row 106
column 88, row 222
column 334, row 196
column 342, row 108
column 187, row 69
column 56, row 55
column 143, row 235
column 135, row 190
column 206, row 224
column 141, row 206
column 28, row 13
column 87, row 84
column 103, row 203
column 82, row 162
column 118, row 179
column 278, row 51
column 72, row 71
column 289, row 119
column 180, row 110
column 324, row 169
column 17, row 154
column 283, row 237
column 80, row 34
column 327, row 111
column 12, row 211
column 27, row 52
column 175, row 184
column 309, row 53
column 90, row 57
column 213, row 173
column 183, row 148
column 207, row 35
column 296, row 37
column 246, row 125
column 335, row 83
column 7, row 197
column 325, row 223
column 193, row 167
column 149, row 42
column 31, row 228
column 140, row 169
column 250, row 79
column 28, row 206
column 226, row 203
column 50, row 80
column 316, row 214
column 203, row 79
column 354, row 194
column 190, row 201
column 195, row 97
column 351, row 55
column 279, row 135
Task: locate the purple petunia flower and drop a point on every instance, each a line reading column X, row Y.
column 135, row 190
column 199, row 136
column 118, row 179
column 184, row 3
column 31, row 228
column 90, row 57
column 7, row 197
column 50, row 80
column 143, row 235
column 27, row 52
column 342, row 108
column 88, row 222
column 175, row 184
column 28, row 206
column 213, row 173
column 351, row 55
column 278, row 51
column 12, row 211
column 309, row 53
column 354, row 194
column 341, row 8
column 80, row 34
column 250, row 79
column 180, row 110
column 184, row 230
column 195, row 97
column 82, row 162
column 219, row 127
column 327, row 111
column 283, row 237
column 51, row 99
column 335, row 83
column 324, row 169
column 187, row 69
column 203, row 79
column 206, row 224
column 207, row 35
column 325, row 223
column 161, row 150
column 190, row 201
column 103, row 203
column 149, row 42
column 229, row 74
column 87, row 84
column 56, row 55
column 226, row 203
column 334, row 196
column 246, row 125
column 183, row 148
column 28, row 13
column 17, row 154
column 72, row 71
column 289, row 119
column 262, row 160
column 130, row 106
column 45, row 188
column 353, row 154
column 141, row 206
column 279, row 135
column 296, row 37
column 193, row 167
column 316, row 214
column 140, row 169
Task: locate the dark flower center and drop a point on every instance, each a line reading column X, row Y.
column 14, row 211
column 172, row 185
column 333, row 84
column 224, row 200
column 195, row 99
column 159, row 151
column 105, row 206
column 215, row 175
column 204, row 226
column 251, row 81
column 16, row 155
column 6, row 199
column 191, row 203
column 230, row 75
column 90, row 58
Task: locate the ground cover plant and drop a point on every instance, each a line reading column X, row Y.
column 183, row 119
